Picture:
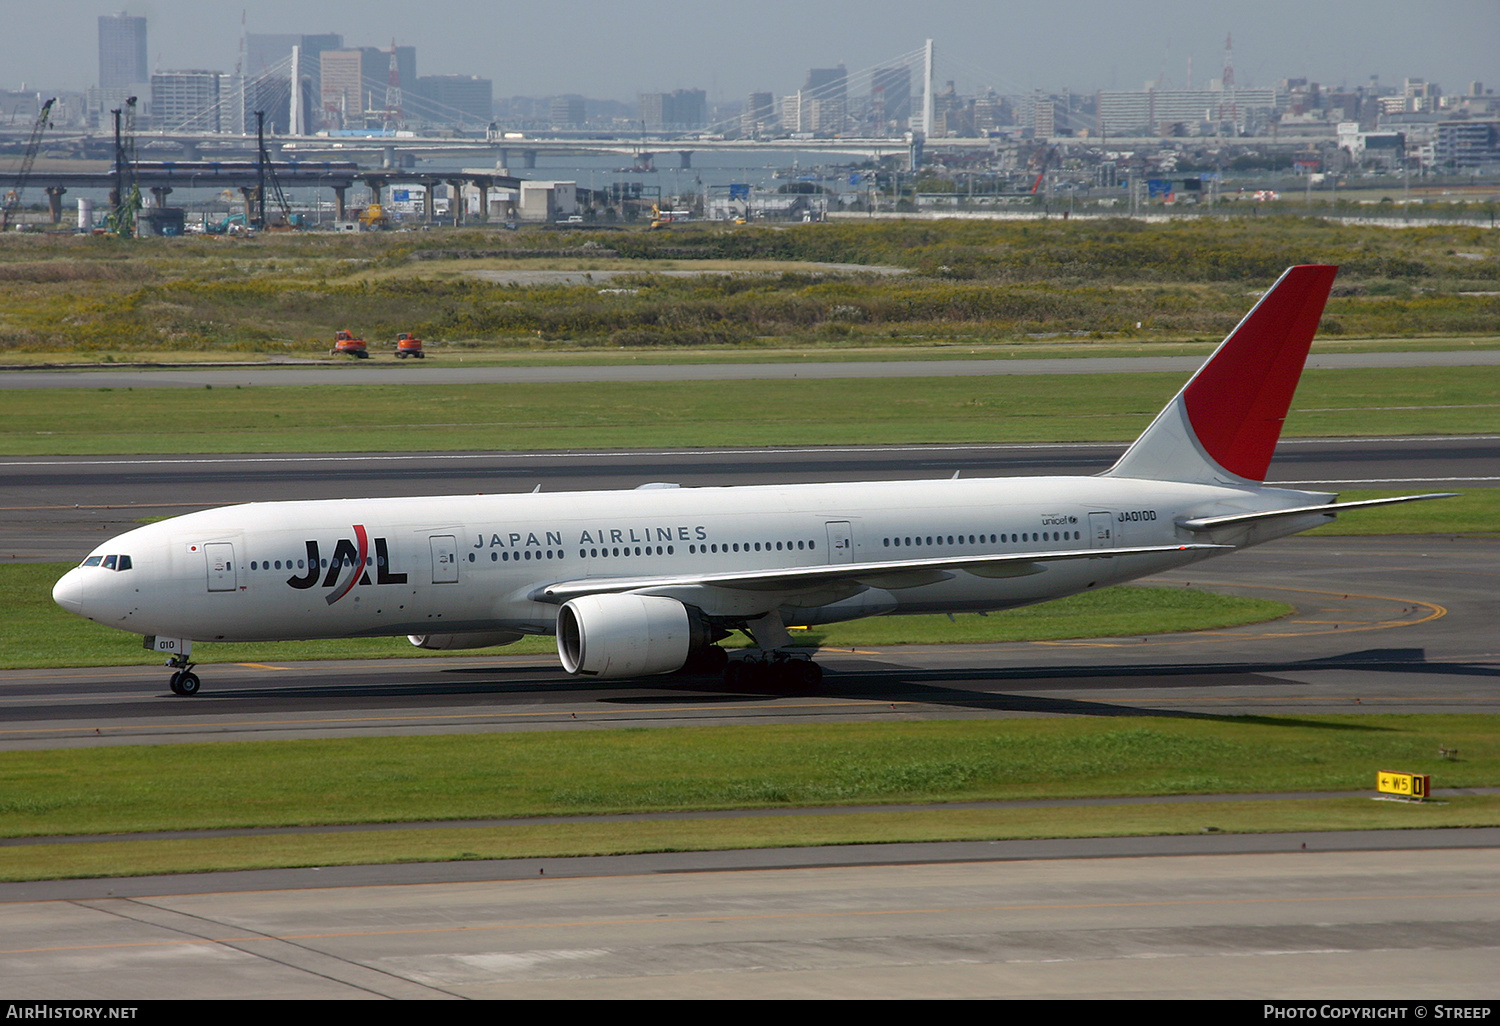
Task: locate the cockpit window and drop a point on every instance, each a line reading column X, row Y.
column 115, row 562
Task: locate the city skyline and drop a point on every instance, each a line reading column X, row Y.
column 664, row 46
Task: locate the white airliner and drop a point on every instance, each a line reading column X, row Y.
column 647, row 581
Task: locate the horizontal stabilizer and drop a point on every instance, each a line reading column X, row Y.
column 1330, row 508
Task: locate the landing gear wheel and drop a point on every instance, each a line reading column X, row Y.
column 806, row 674
column 778, row 674
column 794, row 676
column 184, row 682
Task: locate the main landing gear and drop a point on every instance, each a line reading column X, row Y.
column 184, row 681
column 757, row 670
column 777, row 665
column 774, row 671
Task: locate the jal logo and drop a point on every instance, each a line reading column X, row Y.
column 352, row 554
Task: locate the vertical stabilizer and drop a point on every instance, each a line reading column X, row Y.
column 1223, row 425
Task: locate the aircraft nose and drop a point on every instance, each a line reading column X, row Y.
column 68, row 591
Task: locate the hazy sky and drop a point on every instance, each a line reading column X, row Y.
column 616, row 49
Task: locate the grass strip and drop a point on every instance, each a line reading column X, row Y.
column 563, row 840
column 580, row 772
column 953, row 347
column 1473, row 511
column 591, row 415
column 419, row 779
column 988, row 280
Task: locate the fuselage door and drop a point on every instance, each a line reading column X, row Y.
column 1102, row 529
column 221, row 575
column 840, row 542
column 444, row 559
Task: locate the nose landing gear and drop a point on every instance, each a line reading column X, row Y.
column 184, row 682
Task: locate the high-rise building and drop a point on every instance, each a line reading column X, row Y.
column 122, row 51
column 188, row 101
column 760, row 114
column 1421, row 95
column 653, row 107
column 1462, row 145
column 825, row 100
column 691, row 107
column 566, row 111
column 1149, row 111
column 891, row 96
column 792, row 116
column 1043, row 117
column 680, row 110
column 342, row 88
column 990, row 112
column 826, row 82
column 454, row 100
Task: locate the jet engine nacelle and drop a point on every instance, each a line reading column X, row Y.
column 475, row 639
column 627, row 635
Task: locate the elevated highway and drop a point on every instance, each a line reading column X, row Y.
column 161, row 177
column 397, row 150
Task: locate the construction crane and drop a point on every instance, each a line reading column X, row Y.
column 1041, row 161
column 121, row 220
column 13, row 197
column 266, row 167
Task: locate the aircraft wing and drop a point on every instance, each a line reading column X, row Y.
column 1205, row 523
column 889, row 574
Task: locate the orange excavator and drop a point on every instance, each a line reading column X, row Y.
column 345, row 344
column 408, row 344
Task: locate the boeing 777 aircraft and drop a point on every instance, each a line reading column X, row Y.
column 647, row 581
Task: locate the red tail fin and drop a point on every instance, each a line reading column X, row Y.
column 1233, row 408
column 1238, row 401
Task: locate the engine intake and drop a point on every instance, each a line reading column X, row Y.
column 627, row 635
